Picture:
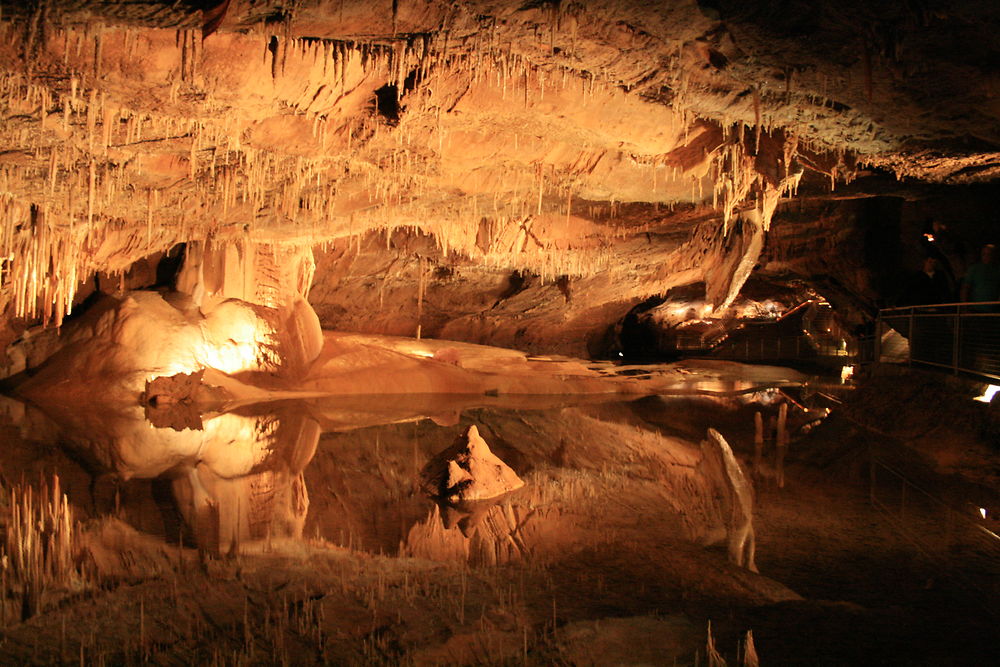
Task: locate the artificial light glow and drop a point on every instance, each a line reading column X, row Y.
column 237, row 444
column 846, row 372
column 230, row 339
column 230, row 358
column 982, row 512
column 988, row 395
column 234, row 340
column 769, row 396
column 929, row 237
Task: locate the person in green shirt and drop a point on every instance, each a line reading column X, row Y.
column 982, row 280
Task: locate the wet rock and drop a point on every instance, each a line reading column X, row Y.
column 636, row 640
column 170, row 401
column 468, row 470
column 723, row 473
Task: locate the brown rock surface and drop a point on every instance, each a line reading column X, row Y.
column 468, row 470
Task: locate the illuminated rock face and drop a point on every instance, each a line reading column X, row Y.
column 124, row 342
column 609, row 150
column 468, row 470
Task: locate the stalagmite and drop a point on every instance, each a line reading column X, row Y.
column 781, row 442
column 467, row 471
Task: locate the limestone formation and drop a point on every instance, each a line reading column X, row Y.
column 127, row 340
column 723, row 473
column 611, row 150
column 468, row 470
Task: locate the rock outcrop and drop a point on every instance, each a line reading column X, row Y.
column 468, row 470
column 610, row 150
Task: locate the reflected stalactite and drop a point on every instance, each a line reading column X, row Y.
column 722, row 471
column 758, row 443
column 781, row 444
column 236, row 480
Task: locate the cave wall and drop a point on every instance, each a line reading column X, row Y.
column 861, row 252
column 391, row 282
column 837, row 247
column 857, row 251
column 602, row 152
column 369, row 285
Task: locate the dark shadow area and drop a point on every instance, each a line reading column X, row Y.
column 387, row 103
column 639, row 335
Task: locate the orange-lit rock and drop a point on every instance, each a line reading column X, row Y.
column 468, row 471
column 510, row 134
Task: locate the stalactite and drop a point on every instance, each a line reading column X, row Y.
column 91, row 193
column 757, row 121
column 263, row 185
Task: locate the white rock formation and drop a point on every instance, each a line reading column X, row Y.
column 722, row 471
column 468, row 470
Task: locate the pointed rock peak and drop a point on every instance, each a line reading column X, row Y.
column 456, row 475
column 477, row 446
column 468, row 470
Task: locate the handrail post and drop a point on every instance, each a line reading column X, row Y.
column 958, row 333
column 871, row 477
column 909, row 347
column 878, row 338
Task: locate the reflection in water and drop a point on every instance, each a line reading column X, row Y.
column 236, row 480
column 239, row 482
column 758, row 442
column 724, row 474
column 260, row 493
column 489, row 532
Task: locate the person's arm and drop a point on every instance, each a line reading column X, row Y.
column 964, row 294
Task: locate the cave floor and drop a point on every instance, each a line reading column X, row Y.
column 612, row 553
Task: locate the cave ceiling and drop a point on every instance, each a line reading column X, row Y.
column 625, row 142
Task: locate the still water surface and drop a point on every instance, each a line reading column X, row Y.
column 347, row 469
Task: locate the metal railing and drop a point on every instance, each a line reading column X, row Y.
column 781, row 347
column 700, row 340
column 819, row 335
column 867, row 347
column 965, row 549
column 960, row 337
